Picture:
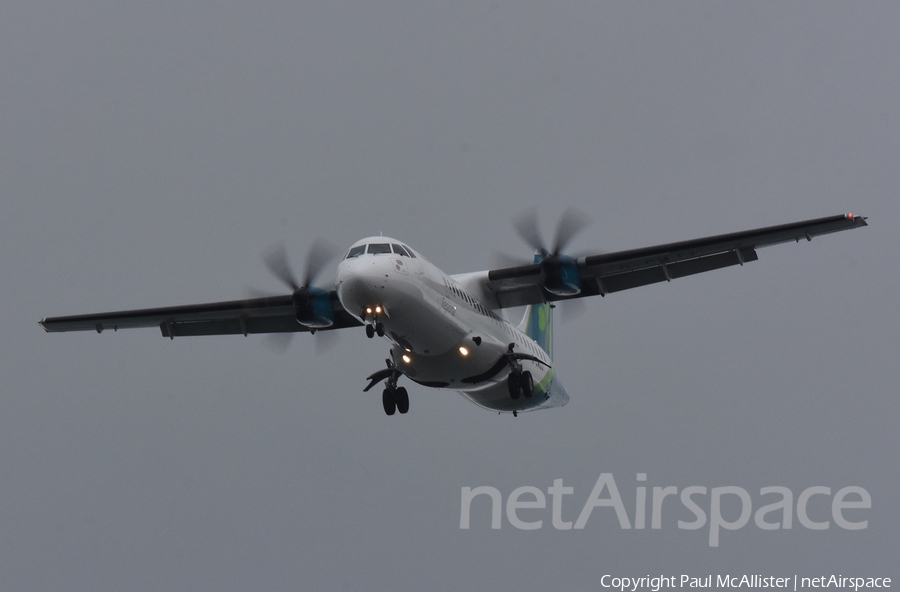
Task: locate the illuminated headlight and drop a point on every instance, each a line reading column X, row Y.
column 369, row 310
column 406, row 358
column 463, row 350
column 378, row 310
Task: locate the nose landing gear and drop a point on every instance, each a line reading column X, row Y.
column 373, row 326
column 376, row 329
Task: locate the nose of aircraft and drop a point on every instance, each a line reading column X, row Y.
column 362, row 281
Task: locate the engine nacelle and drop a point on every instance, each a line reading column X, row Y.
column 561, row 275
column 313, row 308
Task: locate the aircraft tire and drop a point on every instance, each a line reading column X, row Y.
column 402, row 398
column 379, row 329
column 389, row 401
column 370, row 331
column 513, row 383
column 526, row 383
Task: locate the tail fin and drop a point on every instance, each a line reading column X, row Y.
column 538, row 324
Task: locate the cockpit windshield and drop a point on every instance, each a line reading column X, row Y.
column 356, row 251
column 379, row 249
column 400, row 250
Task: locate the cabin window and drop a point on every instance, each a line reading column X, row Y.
column 356, row 252
column 379, row 248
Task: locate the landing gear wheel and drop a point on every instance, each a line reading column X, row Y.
column 379, row 329
column 389, row 401
column 526, row 383
column 513, row 383
column 402, row 398
column 370, row 331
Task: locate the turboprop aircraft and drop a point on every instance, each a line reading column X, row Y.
column 444, row 331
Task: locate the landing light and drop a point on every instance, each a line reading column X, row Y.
column 406, row 358
column 463, row 350
column 378, row 309
column 369, row 310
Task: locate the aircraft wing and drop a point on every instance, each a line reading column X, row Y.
column 274, row 314
column 612, row 272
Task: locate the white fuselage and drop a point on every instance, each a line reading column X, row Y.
column 441, row 336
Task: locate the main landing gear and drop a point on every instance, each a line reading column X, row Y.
column 519, row 381
column 393, row 398
column 396, row 398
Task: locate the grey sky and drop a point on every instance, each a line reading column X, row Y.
column 151, row 151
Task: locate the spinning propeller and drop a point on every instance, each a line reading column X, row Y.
column 560, row 271
column 312, row 304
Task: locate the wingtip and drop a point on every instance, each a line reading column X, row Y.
column 861, row 220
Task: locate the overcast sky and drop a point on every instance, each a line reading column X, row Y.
column 151, row 152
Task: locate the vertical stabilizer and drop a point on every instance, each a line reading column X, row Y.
column 538, row 323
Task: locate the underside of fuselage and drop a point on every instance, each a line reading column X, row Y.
column 495, row 396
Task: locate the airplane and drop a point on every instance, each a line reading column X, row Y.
column 444, row 330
